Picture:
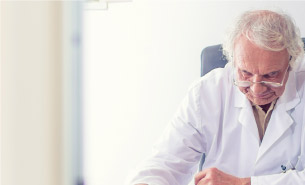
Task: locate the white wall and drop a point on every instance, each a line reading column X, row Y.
column 139, row 60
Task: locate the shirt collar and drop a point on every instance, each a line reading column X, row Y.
column 260, row 108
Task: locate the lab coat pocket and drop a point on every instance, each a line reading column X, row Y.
column 300, row 163
column 289, row 165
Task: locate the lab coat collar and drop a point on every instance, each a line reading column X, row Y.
column 290, row 97
column 246, row 116
column 280, row 120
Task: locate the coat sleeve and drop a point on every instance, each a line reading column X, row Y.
column 176, row 154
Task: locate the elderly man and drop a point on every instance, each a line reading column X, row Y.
column 248, row 118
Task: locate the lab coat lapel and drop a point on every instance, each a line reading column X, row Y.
column 280, row 119
column 246, row 116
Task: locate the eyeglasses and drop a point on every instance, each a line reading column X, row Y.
column 266, row 83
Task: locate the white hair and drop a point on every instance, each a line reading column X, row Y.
column 271, row 30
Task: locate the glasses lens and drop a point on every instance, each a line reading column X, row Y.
column 242, row 83
column 265, row 83
column 248, row 84
column 272, row 84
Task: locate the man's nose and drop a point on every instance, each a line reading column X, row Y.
column 258, row 88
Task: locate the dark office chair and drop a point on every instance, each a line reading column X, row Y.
column 211, row 58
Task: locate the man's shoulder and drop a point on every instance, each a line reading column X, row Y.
column 218, row 77
column 299, row 70
column 299, row 65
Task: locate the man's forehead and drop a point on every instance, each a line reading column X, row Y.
column 250, row 57
column 262, row 70
column 263, row 65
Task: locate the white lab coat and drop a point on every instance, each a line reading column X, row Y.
column 217, row 119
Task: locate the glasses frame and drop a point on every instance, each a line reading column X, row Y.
column 265, row 83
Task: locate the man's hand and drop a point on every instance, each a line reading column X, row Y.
column 213, row 176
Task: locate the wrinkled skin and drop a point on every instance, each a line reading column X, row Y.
column 256, row 64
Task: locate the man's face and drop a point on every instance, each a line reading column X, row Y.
column 256, row 64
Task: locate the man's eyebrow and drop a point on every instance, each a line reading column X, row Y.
column 243, row 70
column 276, row 71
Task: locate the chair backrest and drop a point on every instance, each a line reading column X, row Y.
column 212, row 57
